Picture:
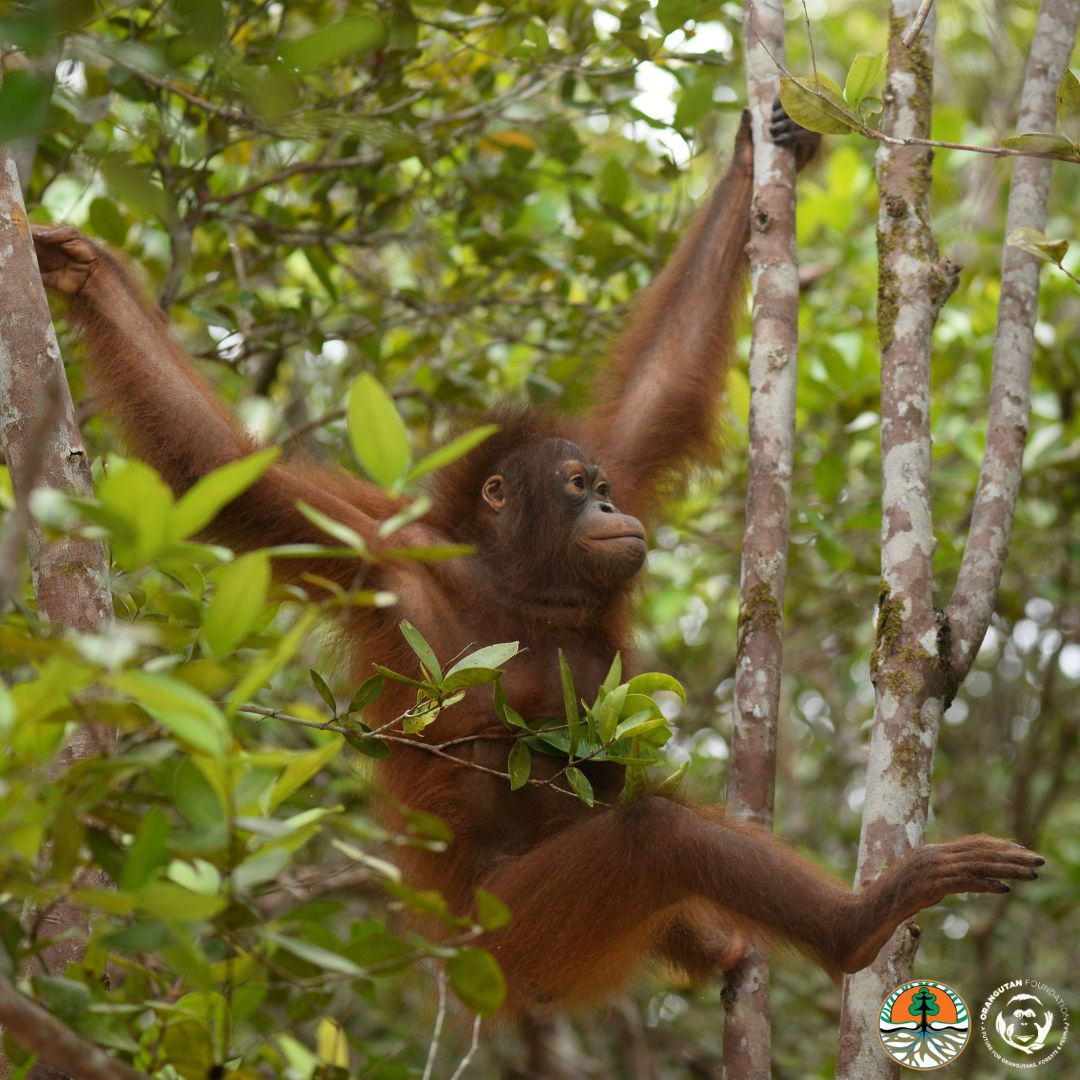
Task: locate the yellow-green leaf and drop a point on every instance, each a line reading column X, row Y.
column 377, row 432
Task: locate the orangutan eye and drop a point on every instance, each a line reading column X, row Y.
column 578, row 482
column 603, row 491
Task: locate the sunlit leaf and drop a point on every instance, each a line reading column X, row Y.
column 865, row 71
column 377, row 432
column 816, row 103
column 237, row 602
column 456, row 448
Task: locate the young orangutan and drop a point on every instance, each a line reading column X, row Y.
column 554, row 508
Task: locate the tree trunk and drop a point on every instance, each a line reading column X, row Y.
column 773, row 375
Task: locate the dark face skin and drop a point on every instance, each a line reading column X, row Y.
column 603, row 546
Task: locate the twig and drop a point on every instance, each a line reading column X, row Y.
column 440, row 1016
column 915, row 29
column 57, row 1045
column 299, row 168
column 460, row 1070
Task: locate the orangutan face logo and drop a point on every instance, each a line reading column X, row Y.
column 1024, row 1023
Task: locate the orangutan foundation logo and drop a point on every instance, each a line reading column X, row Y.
column 924, row 1025
column 1024, row 1023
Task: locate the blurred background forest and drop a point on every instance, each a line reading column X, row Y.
column 462, row 199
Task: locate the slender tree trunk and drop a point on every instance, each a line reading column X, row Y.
column 43, row 449
column 910, row 690
column 920, row 655
column 773, row 373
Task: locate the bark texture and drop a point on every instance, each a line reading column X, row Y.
column 921, row 656
column 68, row 574
column 912, row 286
column 31, row 1026
column 972, row 602
column 773, row 372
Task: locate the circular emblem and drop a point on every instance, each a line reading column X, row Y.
column 924, row 1025
column 1024, row 1023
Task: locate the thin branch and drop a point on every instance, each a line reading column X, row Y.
column 467, row 1059
column 915, row 29
column 440, row 1017
column 57, row 1045
column 972, row 603
column 300, row 168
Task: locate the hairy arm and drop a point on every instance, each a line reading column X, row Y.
column 171, row 418
column 659, row 409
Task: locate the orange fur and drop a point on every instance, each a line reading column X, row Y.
column 593, row 892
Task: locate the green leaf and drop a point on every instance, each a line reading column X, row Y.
column 323, row 690
column 321, row 269
column 1068, row 105
column 579, row 782
column 491, row 912
column 329, row 44
column 470, row 677
column 817, row 104
column 413, row 511
column 451, row 451
column 651, row 681
column 140, row 505
column 638, row 724
column 696, row 101
column 166, row 900
column 190, row 716
column 435, row 553
column 301, row 769
column 672, row 14
column 608, row 710
column 272, row 662
column 477, row 980
column 24, row 103
column 199, row 505
column 134, row 185
column 418, row 644
column 1042, row 142
column 332, row 527
column 1036, row 243
column 108, row 222
column 490, row 656
column 862, row 76
column 614, row 182
column 614, row 675
column 149, row 851
column 369, row 692
column 370, row 747
column 573, row 720
column 315, row 954
column 519, row 765
column 377, row 432
column 405, row 679
column 237, row 603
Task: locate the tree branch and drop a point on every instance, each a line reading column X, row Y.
column 57, row 1045
column 773, row 376
column 972, row 602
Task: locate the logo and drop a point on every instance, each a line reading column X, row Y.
column 1024, row 1023
column 924, row 1025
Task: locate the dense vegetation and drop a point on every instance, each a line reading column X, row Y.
column 461, row 200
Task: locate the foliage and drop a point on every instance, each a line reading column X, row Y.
column 460, row 202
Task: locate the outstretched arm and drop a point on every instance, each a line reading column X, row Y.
column 168, row 413
column 666, row 375
column 590, row 901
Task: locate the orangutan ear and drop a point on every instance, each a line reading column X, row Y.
column 494, row 492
